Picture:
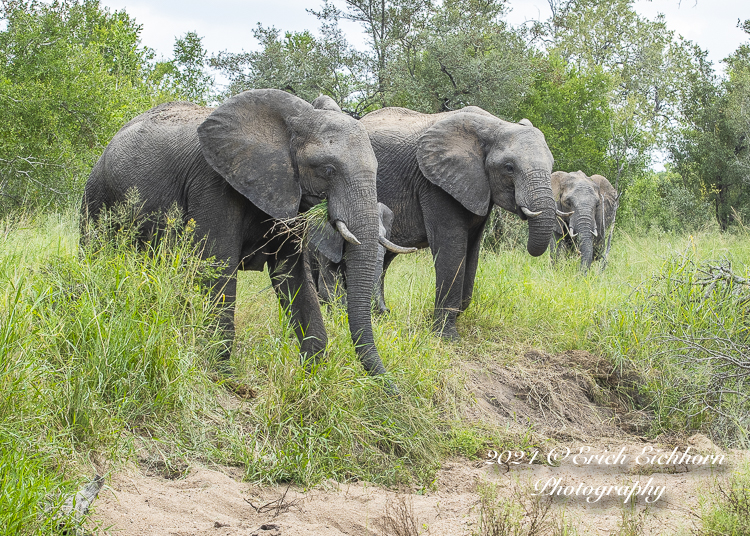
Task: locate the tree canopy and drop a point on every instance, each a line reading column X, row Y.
column 609, row 88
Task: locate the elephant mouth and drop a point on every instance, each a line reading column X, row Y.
column 308, row 201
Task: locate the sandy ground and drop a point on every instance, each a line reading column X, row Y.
column 217, row 502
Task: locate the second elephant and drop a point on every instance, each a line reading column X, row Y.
column 441, row 173
column 586, row 207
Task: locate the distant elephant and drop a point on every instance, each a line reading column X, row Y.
column 329, row 275
column 441, row 173
column 586, row 207
column 263, row 155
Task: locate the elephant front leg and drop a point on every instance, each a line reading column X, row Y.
column 472, row 263
column 450, row 268
column 292, row 280
column 224, row 293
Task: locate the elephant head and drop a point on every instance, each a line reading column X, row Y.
column 286, row 156
column 478, row 158
column 586, row 209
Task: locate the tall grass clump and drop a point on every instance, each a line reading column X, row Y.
column 727, row 509
column 102, row 349
column 686, row 329
column 334, row 421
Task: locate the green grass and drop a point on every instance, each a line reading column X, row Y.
column 108, row 356
column 726, row 510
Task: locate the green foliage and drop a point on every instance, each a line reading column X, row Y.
column 184, row 76
column 300, row 63
column 571, row 107
column 686, row 329
column 463, row 55
column 71, row 74
column 727, row 510
column 662, row 201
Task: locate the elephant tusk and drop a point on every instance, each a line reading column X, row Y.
column 593, row 232
column 564, row 214
column 390, row 246
column 530, row 214
column 573, row 233
column 346, row 233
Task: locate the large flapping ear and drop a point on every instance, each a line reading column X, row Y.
column 451, row 154
column 327, row 241
column 324, row 102
column 609, row 194
column 247, row 141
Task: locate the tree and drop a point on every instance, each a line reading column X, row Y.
column 184, row 76
column 71, row 74
column 302, row 64
column 571, row 107
column 711, row 150
column 464, row 54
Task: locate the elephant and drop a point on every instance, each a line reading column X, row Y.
column 329, row 275
column 586, row 208
column 262, row 156
column 440, row 174
column 329, row 270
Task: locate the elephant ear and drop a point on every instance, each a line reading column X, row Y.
column 451, row 155
column 247, row 140
column 385, row 219
column 327, row 241
column 609, row 195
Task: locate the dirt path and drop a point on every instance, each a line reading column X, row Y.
column 212, row 502
column 564, row 398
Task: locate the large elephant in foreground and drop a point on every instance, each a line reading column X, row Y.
column 587, row 209
column 262, row 156
column 441, row 173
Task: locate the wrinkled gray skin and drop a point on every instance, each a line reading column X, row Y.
column 262, row 155
column 440, row 175
column 330, row 276
column 329, row 270
column 588, row 203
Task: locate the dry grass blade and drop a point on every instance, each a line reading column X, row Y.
column 279, row 506
column 399, row 519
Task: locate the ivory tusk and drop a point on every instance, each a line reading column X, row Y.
column 390, row 246
column 530, row 214
column 346, row 233
column 593, row 232
column 564, row 214
column 573, row 233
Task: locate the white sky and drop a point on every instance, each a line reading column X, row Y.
column 228, row 24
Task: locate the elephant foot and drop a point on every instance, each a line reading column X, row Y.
column 311, row 364
column 447, row 332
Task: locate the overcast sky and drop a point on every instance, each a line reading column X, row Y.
column 228, row 24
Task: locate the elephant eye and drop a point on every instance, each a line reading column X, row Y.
column 328, row 171
column 509, row 167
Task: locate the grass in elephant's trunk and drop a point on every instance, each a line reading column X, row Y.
column 300, row 227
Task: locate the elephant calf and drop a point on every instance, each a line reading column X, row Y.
column 329, row 274
column 586, row 209
column 261, row 156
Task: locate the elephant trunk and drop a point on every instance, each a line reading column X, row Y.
column 584, row 227
column 357, row 208
column 538, row 199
